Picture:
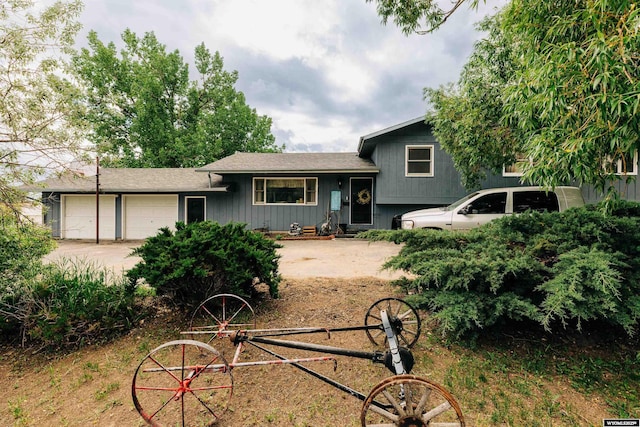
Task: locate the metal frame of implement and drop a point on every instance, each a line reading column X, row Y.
column 187, row 380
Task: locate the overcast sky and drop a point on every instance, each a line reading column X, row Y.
column 326, row 71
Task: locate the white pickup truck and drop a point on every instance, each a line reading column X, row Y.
column 483, row 206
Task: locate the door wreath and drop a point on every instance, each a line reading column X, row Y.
column 364, row 197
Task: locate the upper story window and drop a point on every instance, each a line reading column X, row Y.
column 267, row 191
column 517, row 168
column 626, row 164
column 419, row 160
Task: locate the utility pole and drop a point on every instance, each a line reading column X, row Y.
column 97, row 200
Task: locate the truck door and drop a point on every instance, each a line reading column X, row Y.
column 479, row 211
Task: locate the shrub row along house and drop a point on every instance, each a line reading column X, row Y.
column 395, row 170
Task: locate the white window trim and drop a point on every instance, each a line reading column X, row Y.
column 406, row 160
column 609, row 166
column 634, row 169
column 519, row 159
column 186, row 206
column 253, row 191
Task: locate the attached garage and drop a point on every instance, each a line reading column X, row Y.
column 79, row 217
column 134, row 202
column 144, row 215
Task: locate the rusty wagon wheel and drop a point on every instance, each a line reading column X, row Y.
column 404, row 320
column 182, row 383
column 410, row 401
column 221, row 314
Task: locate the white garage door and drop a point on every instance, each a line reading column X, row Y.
column 79, row 217
column 145, row 215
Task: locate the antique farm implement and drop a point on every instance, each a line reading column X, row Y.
column 189, row 383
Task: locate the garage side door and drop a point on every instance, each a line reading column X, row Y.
column 145, row 215
column 79, row 217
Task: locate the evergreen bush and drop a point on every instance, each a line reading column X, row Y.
column 205, row 258
column 559, row 270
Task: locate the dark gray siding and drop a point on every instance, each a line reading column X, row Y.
column 238, row 205
column 627, row 190
column 394, row 188
column 51, row 204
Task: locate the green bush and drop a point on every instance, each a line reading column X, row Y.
column 205, row 258
column 22, row 246
column 68, row 304
column 61, row 304
column 559, row 270
column 78, row 302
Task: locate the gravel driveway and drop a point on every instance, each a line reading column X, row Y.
column 299, row 258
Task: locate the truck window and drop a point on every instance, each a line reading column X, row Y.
column 494, row 203
column 539, row 201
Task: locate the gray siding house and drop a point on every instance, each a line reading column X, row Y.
column 394, row 170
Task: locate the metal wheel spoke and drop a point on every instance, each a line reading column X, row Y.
column 204, row 405
column 215, row 317
column 236, row 313
column 164, row 369
column 182, row 412
column 198, row 395
column 162, row 407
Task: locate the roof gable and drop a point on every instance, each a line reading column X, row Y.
column 368, row 142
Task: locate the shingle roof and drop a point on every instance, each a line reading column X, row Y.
column 291, row 163
column 152, row 180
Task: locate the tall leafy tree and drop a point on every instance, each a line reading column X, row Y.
column 467, row 117
column 144, row 111
column 37, row 102
column 569, row 104
column 577, row 97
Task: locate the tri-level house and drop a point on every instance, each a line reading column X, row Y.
column 394, row 170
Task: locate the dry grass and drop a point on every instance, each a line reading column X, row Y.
column 92, row 386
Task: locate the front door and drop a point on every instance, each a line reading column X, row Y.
column 361, row 203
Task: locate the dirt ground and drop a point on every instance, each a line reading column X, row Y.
column 326, row 283
column 343, row 257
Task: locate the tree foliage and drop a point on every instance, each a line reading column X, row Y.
column 560, row 270
column 205, row 258
column 144, row 110
column 467, row 116
column 410, row 16
column 37, row 104
column 557, row 83
column 577, row 96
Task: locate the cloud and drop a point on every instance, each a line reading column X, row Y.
column 326, row 72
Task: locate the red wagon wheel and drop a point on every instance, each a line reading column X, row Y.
column 404, row 320
column 410, row 401
column 182, row 383
column 220, row 314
